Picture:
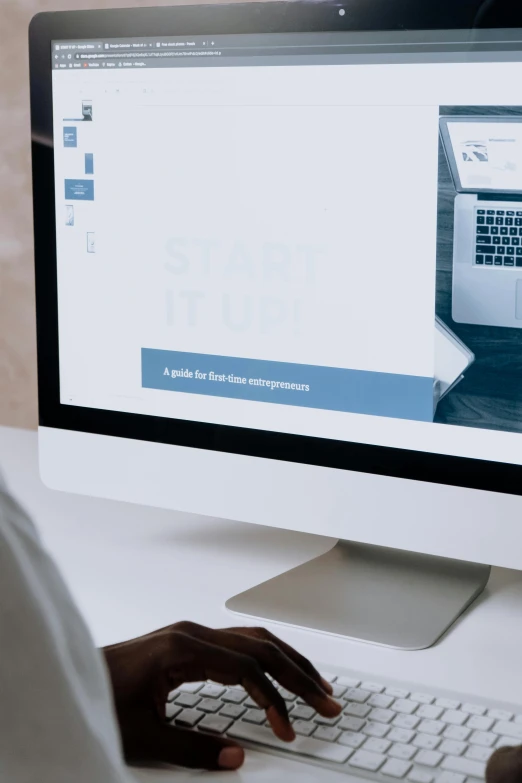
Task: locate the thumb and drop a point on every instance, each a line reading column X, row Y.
column 187, row 748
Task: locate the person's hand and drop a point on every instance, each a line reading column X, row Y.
column 505, row 766
column 143, row 671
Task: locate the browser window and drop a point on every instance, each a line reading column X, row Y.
column 265, row 241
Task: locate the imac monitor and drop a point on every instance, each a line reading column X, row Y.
column 250, row 316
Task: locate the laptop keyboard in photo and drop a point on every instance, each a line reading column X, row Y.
column 385, row 730
column 498, row 237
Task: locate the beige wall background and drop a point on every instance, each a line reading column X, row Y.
column 18, row 398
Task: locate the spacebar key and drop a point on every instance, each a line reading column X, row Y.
column 304, row 746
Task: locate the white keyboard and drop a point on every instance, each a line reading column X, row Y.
column 385, row 731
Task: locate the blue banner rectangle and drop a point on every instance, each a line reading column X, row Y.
column 70, row 136
column 89, row 163
column 79, row 189
column 308, row 386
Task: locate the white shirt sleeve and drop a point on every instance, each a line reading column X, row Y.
column 57, row 722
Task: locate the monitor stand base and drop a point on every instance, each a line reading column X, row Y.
column 370, row 594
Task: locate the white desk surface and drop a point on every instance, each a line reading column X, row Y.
column 133, row 569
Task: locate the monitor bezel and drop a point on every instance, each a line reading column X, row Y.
column 270, row 17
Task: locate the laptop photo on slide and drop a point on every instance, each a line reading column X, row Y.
column 484, row 155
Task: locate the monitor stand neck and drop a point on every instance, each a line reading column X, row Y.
column 368, row 593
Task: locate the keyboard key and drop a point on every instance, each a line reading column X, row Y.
column 478, row 753
column 302, row 712
column 254, row 716
column 361, row 759
column 519, row 213
column 455, row 717
column 171, row 710
column 506, row 728
column 401, row 735
column 485, row 738
column 518, row 252
column 214, row 705
column 375, row 745
column 481, row 220
column 397, row 693
column 321, row 721
column 406, row 721
column 373, row 687
column 429, row 711
column 505, row 240
column 419, row 776
column 304, row 727
column 451, row 777
column 405, row 706
column 504, row 231
column 509, row 262
column 488, row 260
column 401, row 751
column 513, row 233
column 452, row 748
column 490, row 221
column 327, row 733
column 482, row 229
column 395, row 768
column 380, row 700
column 358, row 695
column 188, row 718
column 214, row 724
column 502, row 715
column 459, row 733
column 479, row 259
column 348, row 682
column 428, row 758
column 499, row 221
column 338, row 690
column 191, row 687
column 422, row 698
column 475, row 769
column 351, row 739
column 500, row 212
column 359, row 710
column 508, row 221
column 518, row 221
column 510, row 251
column 498, row 260
column 485, row 248
column 381, row 716
column 500, row 250
column 426, row 741
column 306, row 746
column 496, row 240
column 481, row 211
column 251, row 703
column 376, row 729
column 510, row 212
column 234, row 695
column 493, row 230
column 515, row 242
column 234, row 711
column 172, row 695
column 289, row 696
column 212, row 691
column 187, row 700
column 431, row 727
column 351, row 724
column 480, row 723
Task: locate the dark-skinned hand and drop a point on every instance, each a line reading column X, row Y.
column 505, row 766
column 143, row 671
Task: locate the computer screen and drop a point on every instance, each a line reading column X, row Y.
column 487, row 153
column 258, row 231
